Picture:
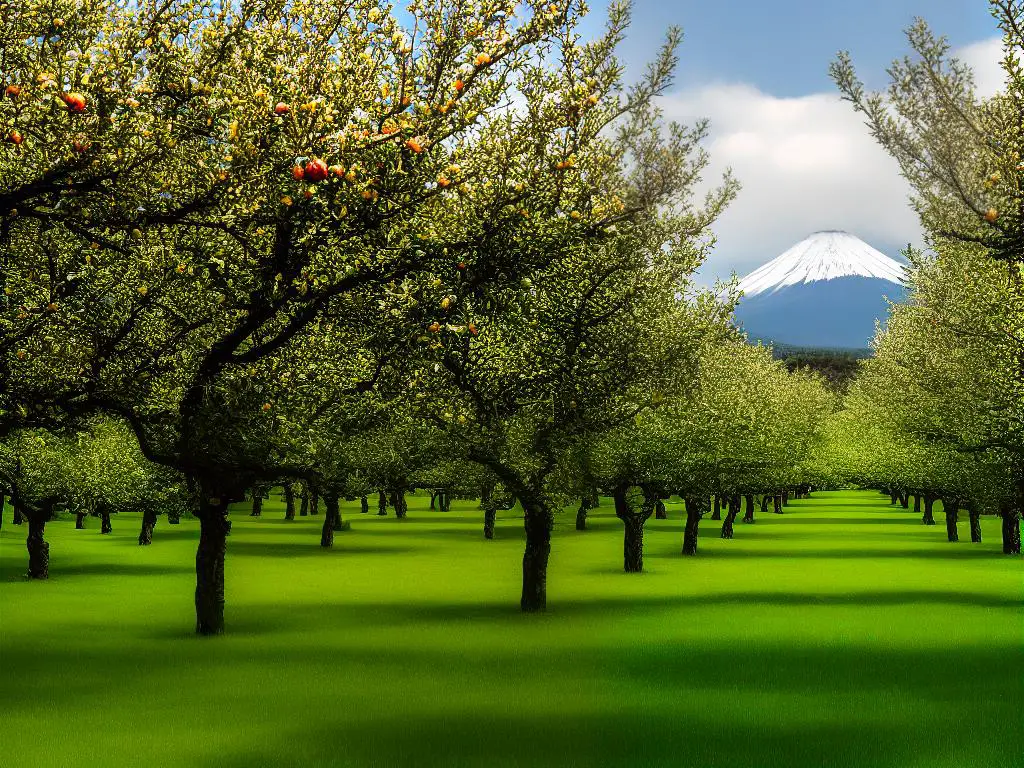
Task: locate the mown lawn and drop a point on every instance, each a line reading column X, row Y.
column 842, row 633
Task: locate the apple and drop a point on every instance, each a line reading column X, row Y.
column 434, row 327
column 472, row 329
column 80, row 146
column 316, row 170
column 15, row 138
column 459, row 85
column 461, row 266
column 267, row 407
column 414, row 146
column 75, row 102
column 297, row 173
column 443, row 181
column 336, row 170
column 482, row 59
column 991, row 215
column 12, row 91
column 281, row 109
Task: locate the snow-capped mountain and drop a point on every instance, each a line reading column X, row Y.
column 825, row 291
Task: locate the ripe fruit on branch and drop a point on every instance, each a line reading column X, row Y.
column 472, row 329
column 991, row 215
column 281, row 109
column 297, row 173
column 316, row 170
column 459, row 85
column 446, row 303
column 336, row 170
column 461, row 266
column 12, row 91
column 434, row 327
column 15, row 138
column 414, row 146
column 443, row 181
column 482, row 59
column 75, row 102
column 267, row 407
column 80, row 145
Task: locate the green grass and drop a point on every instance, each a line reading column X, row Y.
column 842, row 633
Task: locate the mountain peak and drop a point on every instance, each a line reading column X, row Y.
column 822, row 255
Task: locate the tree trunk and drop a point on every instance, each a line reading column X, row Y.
column 148, row 524
column 213, row 531
column 694, row 512
column 892, row 497
column 581, row 514
column 905, row 500
column 785, row 498
column 382, row 503
column 777, row 504
column 173, row 518
column 765, row 499
column 433, row 500
column 314, row 502
column 748, row 515
column 332, row 519
column 633, row 543
column 727, row 525
column 105, row 526
column 38, row 548
column 951, row 508
column 489, row 517
column 1011, row 531
column 398, row 502
column 975, row 518
column 18, row 516
column 80, row 520
column 446, row 501
column 364, row 504
column 257, row 502
column 304, row 501
column 917, row 503
column 929, row 502
column 538, row 521
column 716, row 509
column 660, row 513
column 289, row 502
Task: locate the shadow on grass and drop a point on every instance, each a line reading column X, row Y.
column 311, row 548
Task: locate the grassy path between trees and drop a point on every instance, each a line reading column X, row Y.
column 842, row 633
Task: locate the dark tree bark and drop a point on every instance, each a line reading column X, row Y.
column 105, row 526
column 765, row 500
column 538, row 521
column 777, row 504
column 917, row 503
column 581, row 514
column 364, row 504
column 314, row 502
column 730, row 518
column 892, row 497
column 748, row 515
column 38, row 548
column 399, row 503
column 213, row 531
column 633, row 521
column 1011, row 530
column 905, row 500
column 929, row 502
column 148, row 524
column 257, row 502
column 695, row 508
column 18, row 516
column 173, row 518
column 332, row 519
column 490, row 514
column 785, row 498
column 716, row 509
column 975, row 519
column 951, row 507
column 382, row 503
column 80, row 520
column 660, row 513
column 289, row 502
column 304, row 500
column 433, row 499
column 446, row 501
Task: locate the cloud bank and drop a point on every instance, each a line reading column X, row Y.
column 806, row 164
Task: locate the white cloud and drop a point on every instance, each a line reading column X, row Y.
column 983, row 57
column 806, row 164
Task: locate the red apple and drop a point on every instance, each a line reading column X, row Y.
column 297, row 173
column 75, row 102
column 461, row 266
column 316, row 170
column 12, row 91
column 281, row 109
column 15, row 138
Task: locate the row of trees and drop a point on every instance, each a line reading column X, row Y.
column 939, row 410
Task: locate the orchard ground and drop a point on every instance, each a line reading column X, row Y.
column 842, row 633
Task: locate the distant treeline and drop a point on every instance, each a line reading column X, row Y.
column 838, row 366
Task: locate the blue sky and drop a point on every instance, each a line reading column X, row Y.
column 759, row 71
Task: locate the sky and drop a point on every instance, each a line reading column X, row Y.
column 758, row 69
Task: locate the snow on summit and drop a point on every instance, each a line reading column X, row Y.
column 822, row 256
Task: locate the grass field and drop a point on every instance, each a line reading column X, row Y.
column 842, row 633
